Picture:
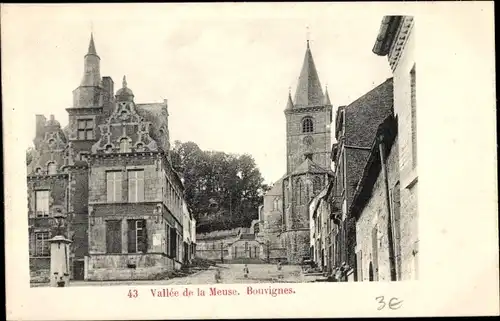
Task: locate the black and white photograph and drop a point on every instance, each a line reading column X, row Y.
column 181, row 149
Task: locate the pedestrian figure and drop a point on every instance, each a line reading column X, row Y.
column 218, row 277
column 280, row 274
column 245, row 271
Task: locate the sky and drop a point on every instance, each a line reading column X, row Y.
column 225, row 68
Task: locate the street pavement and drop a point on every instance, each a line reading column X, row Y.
column 230, row 274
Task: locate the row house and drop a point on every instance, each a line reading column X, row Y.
column 188, row 234
column 109, row 174
column 372, row 200
column 355, row 127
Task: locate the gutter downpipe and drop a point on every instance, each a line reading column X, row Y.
column 389, row 211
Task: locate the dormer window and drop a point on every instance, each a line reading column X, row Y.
column 124, row 146
column 52, row 168
column 307, row 125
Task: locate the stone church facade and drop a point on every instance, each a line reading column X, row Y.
column 285, row 214
column 109, row 174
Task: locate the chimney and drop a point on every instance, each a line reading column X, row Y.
column 108, row 92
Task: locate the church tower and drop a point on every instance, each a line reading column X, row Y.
column 308, row 119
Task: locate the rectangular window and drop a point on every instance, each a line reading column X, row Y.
column 413, row 116
column 136, row 186
column 137, row 236
column 113, row 236
column 42, row 246
column 173, row 242
column 42, row 203
column 114, row 186
column 85, row 129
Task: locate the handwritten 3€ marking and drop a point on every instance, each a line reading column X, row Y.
column 394, row 303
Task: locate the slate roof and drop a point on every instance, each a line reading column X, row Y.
column 363, row 116
column 372, row 168
column 308, row 166
column 309, row 92
column 247, row 236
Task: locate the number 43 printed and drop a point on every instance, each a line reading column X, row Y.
column 133, row 293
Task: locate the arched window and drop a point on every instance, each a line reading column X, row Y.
column 124, row 146
column 307, row 125
column 52, row 168
column 298, row 191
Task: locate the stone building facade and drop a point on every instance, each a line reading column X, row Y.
column 378, row 228
column 308, row 138
column 109, row 173
column 396, row 40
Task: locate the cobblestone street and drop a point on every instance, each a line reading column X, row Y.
column 230, row 274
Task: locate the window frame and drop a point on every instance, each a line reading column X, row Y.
column 45, row 245
column 307, row 125
column 86, row 129
column 128, row 148
column 117, row 186
column 138, row 185
column 44, row 213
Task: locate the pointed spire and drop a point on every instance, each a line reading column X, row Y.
column 92, row 50
column 289, row 104
column 327, row 97
column 92, row 69
column 309, row 92
column 124, row 82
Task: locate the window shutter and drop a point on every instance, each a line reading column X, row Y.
column 144, row 245
column 131, row 236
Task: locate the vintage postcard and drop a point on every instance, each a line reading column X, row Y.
column 249, row 160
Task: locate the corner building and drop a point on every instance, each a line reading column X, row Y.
column 109, row 173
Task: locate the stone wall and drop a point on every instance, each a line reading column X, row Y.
column 321, row 142
column 128, row 267
column 296, row 243
column 407, row 156
column 372, row 223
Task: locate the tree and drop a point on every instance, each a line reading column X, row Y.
column 29, row 155
column 233, row 181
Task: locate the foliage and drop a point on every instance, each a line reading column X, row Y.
column 29, row 155
column 231, row 183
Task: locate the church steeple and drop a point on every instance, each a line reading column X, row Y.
column 309, row 92
column 92, row 72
